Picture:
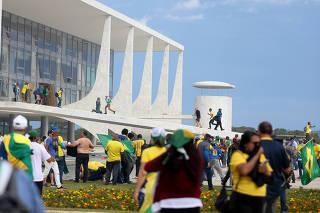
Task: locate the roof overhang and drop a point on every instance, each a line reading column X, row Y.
column 213, row 85
column 85, row 19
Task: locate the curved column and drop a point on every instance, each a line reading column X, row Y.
column 142, row 104
column 175, row 107
column 160, row 105
column 101, row 85
column 122, row 102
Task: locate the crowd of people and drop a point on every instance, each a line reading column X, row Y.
column 41, row 94
column 170, row 169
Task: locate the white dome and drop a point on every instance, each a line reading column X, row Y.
column 213, row 85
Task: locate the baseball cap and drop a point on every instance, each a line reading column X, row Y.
column 33, row 133
column 20, row 123
column 157, row 132
column 181, row 137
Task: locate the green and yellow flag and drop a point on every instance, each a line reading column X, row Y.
column 310, row 165
column 104, row 139
column 18, row 151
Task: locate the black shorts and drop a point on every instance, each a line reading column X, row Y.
column 198, row 119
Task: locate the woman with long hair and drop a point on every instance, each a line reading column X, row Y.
column 180, row 173
column 251, row 171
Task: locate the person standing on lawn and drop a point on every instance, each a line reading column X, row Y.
column 83, row 147
column 114, row 150
column 40, row 155
column 137, row 145
column 180, row 172
column 204, row 149
column 146, row 182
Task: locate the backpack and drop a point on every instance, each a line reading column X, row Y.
column 9, row 201
column 56, row 94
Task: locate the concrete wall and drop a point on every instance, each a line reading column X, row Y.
column 203, row 103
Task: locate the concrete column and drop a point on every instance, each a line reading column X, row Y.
column 101, row 86
column 175, row 107
column 142, row 104
column 70, row 136
column 160, row 105
column 11, row 117
column 122, row 102
column 44, row 126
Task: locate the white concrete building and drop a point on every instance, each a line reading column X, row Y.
column 204, row 102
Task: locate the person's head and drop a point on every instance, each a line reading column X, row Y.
column 125, row 132
column 236, row 135
column 50, row 133
column 20, row 124
column 43, row 138
column 33, row 136
column 210, row 109
column 309, row 123
column 84, row 134
column 131, row 136
column 227, row 138
column 61, row 89
column 139, row 136
column 98, row 99
column 195, row 109
column 250, row 142
column 207, row 137
column 158, row 135
column 265, row 129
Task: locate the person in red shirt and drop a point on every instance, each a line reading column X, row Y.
column 180, row 174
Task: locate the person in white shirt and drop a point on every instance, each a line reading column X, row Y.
column 40, row 154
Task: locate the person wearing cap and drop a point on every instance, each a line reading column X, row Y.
column 180, row 172
column 158, row 139
column 40, row 155
column 16, row 147
column 51, row 146
column 60, row 97
column 218, row 117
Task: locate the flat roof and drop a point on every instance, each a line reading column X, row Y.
column 213, row 85
column 85, row 19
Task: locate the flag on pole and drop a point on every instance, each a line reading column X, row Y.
column 310, row 165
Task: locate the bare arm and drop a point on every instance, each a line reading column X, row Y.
column 91, row 145
column 73, row 145
column 245, row 168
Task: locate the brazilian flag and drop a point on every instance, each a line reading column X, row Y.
column 104, row 139
column 310, row 165
column 18, row 151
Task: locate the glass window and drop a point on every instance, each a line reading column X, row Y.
column 13, row 59
column 28, row 32
column 74, row 73
column 53, row 40
column 93, row 76
column 47, row 38
column 59, row 42
column 93, row 54
column 41, row 36
column 35, row 33
column 64, row 44
column 79, row 50
column 4, row 88
column 74, row 47
column 89, row 54
column 27, row 63
column 69, row 72
column 69, row 46
column 21, row 29
column 40, row 65
column 97, row 54
column 84, row 75
column 5, row 25
column 46, row 67
column 64, row 70
column 53, row 68
column 68, row 95
column 88, row 76
column 14, row 28
column 4, row 57
column 84, row 51
column 20, row 64
column 73, row 96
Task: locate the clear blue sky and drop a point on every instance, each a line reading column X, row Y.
column 269, row 49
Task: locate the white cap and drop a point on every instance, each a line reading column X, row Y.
column 20, row 123
column 156, row 132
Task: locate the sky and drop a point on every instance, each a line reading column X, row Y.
column 269, row 49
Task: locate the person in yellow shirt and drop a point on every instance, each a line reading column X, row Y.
column 137, row 145
column 307, row 129
column 300, row 159
column 59, row 96
column 249, row 160
column 211, row 122
column 146, row 180
column 24, row 92
column 61, row 156
column 316, row 149
column 114, row 150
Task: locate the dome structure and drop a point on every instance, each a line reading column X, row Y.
column 213, row 85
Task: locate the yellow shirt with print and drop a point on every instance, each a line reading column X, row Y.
column 148, row 155
column 24, row 89
column 60, row 150
column 211, row 115
column 114, row 149
column 246, row 185
column 59, row 93
column 137, row 145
